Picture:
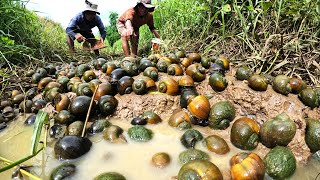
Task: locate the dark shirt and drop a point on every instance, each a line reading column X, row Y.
column 79, row 23
column 136, row 20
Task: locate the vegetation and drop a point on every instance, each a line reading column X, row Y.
column 112, row 32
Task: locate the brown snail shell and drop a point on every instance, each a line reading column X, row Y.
column 143, row 84
column 71, row 82
column 88, row 76
column 125, row 85
column 168, row 86
column 113, row 134
column 75, row 128
column 61, row 102
column 64, row 117
column 186, row 62
column 297, row 85
column 43, row 82
column 180, row 119
column 281, row 84
column 197, row 72
column 216, row 144
column 161, row 159
column 186, row 81
column 258, row 82
column 104, row 88
column 218, row 82
column 175, row 70
column 180, row 53
column 151, row 72
column 199, row 107
column 224, row 61
column 18, row 99
column 53, row 84
column 195, row 57
column 108, row 67
column 199, row 169
column 245, row 133
column 154, row 57
column 51, row 94
column 245, row 165
column 151, row 117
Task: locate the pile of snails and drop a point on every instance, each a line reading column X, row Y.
column 141, row 76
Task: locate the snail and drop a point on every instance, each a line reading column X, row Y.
column 281, row 84
column 197, row 72
column 216, row 144
column 258, row 82
column 151, row 72
column 180, row 119
column 168, row 86
column 125, row 85
column 71, row 147
column 199, row 169
column 218, row 82
column 142, row 85
column 108, row 104
column 221, row 114
column 175, row 70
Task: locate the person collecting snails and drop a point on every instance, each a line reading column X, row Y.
column 80, row 27
column 130, row 21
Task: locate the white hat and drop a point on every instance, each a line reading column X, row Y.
column 91, row 7
column 147, row 4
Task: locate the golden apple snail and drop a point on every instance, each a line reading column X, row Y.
column 190, row 138
column 245, row 133
column 216, row 144
column 247, row 166
column 199, row 107
column 161, row 159
column 258, row 82
column 191, row 155
column 197, row 72
column 151, row 117
column 195, row 57
column 140, row 134
column 143, row 84
column 186, row 81
column 113, row 133
column 108, row 104
column 309, row 97
column 71, row 147
column 297, row 85
column 63, row 171
column 279, row 130
column 175, row 70
column 218, row 82
column 199, row 169
column 180, row 119
column 243, row 73
column 110, row 176
column 281, row 84
column 125, row 85
column 221, row 114
column 312, row 136
column 187, row 94
column 168, row 86
column 151, row 72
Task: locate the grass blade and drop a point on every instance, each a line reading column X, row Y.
column 42, row 118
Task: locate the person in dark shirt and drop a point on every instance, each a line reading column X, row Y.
column 80, row 27
column 130, row 21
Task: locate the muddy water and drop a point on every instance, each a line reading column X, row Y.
column 133, row 159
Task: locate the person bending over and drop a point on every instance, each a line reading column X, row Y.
column 131, row 20
column 80, row 27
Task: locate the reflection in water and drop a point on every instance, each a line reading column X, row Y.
column 133, row 159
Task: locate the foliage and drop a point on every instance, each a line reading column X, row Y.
column 112, row 32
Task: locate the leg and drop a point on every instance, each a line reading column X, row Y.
column 125, row 46
column 70, row 43
column 134, row 43
column 93, row 43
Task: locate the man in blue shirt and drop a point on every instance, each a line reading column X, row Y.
column 80, row 27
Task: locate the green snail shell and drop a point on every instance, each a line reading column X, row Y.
column 113, row 133
column 110, row 176
column 199, row 170
column 216, row 144
column 151, row 72
column 192, row 154
column 281, row 84
column 108, row 104
column 218, row 82
column 258, row 82
column 279, row 130
column 221, row 114
column 63, row 171
column 163, row 65
column 243, row 73
column 190, row 138
column 309, row 97
column 140, row 134
column 312, row 136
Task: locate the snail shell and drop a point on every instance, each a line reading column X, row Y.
column 180, row 119
column 218, row 82
column 186, row 81
column 151, row 72
column 186, row 62
column 216, row 144
column 108, row 104
column 197, row 72
column 281, row 84
column 143, row 84
column 175, row 70
column 61, row 102
column 125, row 85
column 168, row 86
column 89, row 75
column 199, row 169
column 199, row 107
column 195, row 57
column 258, row 82
column 104, row 88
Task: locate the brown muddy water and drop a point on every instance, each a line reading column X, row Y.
column 133, row 159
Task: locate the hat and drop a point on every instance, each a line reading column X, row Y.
column 91, row 7
column 147, row 4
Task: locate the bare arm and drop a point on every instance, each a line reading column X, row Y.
column 156, row 33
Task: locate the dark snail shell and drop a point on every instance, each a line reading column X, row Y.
column 173, row 58
column 43, row 72
column 108, row 67
column 26, row 106
column 312, row 136
column 72, row 147
column 186, row 95
column 63, row 171
column 107, row 104
column 113, row 134
column 199, row 107
column 243, row 73
column 216, row 144
column 89, row 75
column 309, row 97
column 142, row 85
column 43, row 82
column 151, row 117
column 180, row 53
column 80, row 106
column 99, row 63
column 61, row 102
column 38, row 104
column 205, row 62
column 71, row 82
column 161, row 159
column 215, row 67
column 85, row 89
column 110, row 176
column 168, row 86
column 139, row 121
column 224, row 61
column 154, row 57
column 186, row 62
column 195, row 57
column 50, row 69
column 151, row 72
column 175, row 70
column 51, row 94
column 64, row 117
column 186, row 81
column 81, row 69
column 197, row 72
column 258, row 82
column 245, row 133
column 125, row 85
column 221, row 114
column 104, row 88
column 35, row 78
column 130, row 67
column 191, row 155
column 297, row 85
column 98, row 126
column 57, row 131
column 18, row 99
column 245, row 165
column 281, row 84
column 218, row 82
column 63, row 80
column 117, row 74
column 279, row 130
column 190, row 138
column 145, row 63
column 163, row 65
column 51, row 85
column 199, row 169
column 30, row 120
column 180, row 120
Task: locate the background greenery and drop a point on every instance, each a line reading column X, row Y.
column 278, row 36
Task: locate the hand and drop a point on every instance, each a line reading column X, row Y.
column 79, row 38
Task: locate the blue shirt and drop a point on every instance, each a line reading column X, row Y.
column 81, row 24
